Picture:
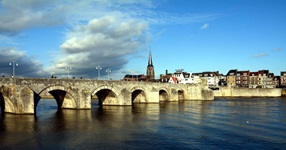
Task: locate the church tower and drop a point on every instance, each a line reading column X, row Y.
column 150, row 68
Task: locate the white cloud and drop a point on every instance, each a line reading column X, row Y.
column 204, row 26
column 277, row 49
column 104, row 41
column 260, row 55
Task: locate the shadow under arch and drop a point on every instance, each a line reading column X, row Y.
column 163, row 95
column 138, row 95
column 104, row 94
column 2, row 104
column 7, row 106
column 60, row 93
column 181, row 95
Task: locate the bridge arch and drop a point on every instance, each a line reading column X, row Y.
column 2, row 104
column 164, row 95
column 138, row 95
column 181, row 94
column 64, row 96
column 105, row 94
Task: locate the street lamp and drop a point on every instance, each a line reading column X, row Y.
column 68, row 68
column 98, row 71
column 108, row 72
column 131, row 72
column 13, row 64
column 51, row 69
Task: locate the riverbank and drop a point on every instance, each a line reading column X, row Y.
column 248, row 92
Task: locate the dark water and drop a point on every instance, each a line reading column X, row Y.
column 219, row 124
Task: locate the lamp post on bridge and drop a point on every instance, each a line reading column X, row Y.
column 98, row 71
column 108, row 72
column 131, row 72
column 13, row 64
column 51, row 69
column 68, row 68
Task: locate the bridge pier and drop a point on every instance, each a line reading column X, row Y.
column 17, row 100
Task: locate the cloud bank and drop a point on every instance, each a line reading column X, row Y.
column 97, row 32
column 104, row 41
column 34, row 69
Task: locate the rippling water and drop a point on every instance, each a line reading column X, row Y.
column 219, row 124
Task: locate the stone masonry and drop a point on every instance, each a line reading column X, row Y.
column 21, row 95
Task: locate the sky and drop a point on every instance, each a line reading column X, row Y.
column 64, row 37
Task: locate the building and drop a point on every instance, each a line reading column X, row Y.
column 242, row 78
column 283, row 79
column 129, row 77
column 231, row 77
column 253, row 79
column 260, row 79
column 173, row 80
column 212, row 78
column 165, row 77
column 141, row 77
column 276, row 81
column 150, row 73
column 266, row 79
column 183, row 77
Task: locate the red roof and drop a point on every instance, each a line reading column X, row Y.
column 175, row 80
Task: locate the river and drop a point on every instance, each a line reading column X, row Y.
column 221, row 124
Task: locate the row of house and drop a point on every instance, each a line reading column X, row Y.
column 259, row 79
column 180, row 77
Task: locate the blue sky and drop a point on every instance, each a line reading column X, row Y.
column 45, row 37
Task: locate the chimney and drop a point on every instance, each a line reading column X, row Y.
column 166, row 72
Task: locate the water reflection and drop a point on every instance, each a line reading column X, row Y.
column 168, row 125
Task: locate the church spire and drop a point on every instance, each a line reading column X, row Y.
column 150, row 68
column 150, row 63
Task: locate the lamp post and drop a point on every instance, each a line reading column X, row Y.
column 108, row 72
column 51, row 69
column 98, row 71
column 131, row 72
column 68, row 68
column 13, row 64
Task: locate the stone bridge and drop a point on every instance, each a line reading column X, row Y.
column 21, row 95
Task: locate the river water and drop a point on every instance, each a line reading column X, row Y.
column 220, row 124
